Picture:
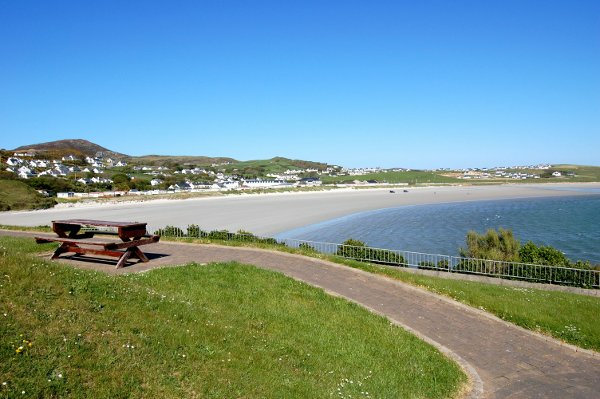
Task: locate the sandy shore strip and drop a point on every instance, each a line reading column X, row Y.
column 269, row 214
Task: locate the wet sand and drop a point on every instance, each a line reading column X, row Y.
column 269, row 214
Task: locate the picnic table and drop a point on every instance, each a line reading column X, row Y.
column 74, row 235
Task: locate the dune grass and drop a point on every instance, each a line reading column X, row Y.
column 212, row 331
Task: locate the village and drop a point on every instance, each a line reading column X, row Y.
column 105, row 176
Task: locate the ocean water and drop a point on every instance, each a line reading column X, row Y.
column 571, row 224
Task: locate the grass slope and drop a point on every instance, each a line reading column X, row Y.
column 410, row 177
column 16, row 195
column 273, row 165
column 222, row 330
column 570, row 317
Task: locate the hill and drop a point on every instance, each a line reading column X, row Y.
column 16, row 195
column 166, row 160
column 77, row 147
column 273, row 165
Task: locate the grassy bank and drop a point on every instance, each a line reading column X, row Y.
column 565, row 316
column 222, row 330
column 16, row 195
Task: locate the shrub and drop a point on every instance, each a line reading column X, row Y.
column 542, row 255
column 500, row 245
column 170, row 231
column 355, row 249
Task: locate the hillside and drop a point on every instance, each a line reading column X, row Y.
column 166, row 160
column 16, row 195
column 273, row 165
column 410, row 177
column 77, row 147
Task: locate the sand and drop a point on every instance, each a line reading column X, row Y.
column 269, row 214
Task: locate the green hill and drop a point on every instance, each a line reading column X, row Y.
column 16, row 195
column 273, row 165
column 410, row 177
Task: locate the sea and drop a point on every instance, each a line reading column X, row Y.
column 569, row 223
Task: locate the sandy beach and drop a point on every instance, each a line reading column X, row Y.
column 269, row 214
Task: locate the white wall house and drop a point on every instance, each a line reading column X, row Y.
column 258, row 183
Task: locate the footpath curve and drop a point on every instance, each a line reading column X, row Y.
column 503, row 360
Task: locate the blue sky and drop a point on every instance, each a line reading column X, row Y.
column 360, row 83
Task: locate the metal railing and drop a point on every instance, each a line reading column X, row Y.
column 588, row 278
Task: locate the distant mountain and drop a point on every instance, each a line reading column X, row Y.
column 81, row 148
column 77, row 147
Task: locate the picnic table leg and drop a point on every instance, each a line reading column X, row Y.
column 139, row 254
column 123, row 259
column 64, row 247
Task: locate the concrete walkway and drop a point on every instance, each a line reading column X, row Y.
column 504, row 361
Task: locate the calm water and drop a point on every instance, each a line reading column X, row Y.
column 571, row 224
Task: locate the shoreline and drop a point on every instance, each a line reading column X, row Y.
column 274, row 213
column 221, row 195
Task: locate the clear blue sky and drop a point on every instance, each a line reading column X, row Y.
column 361, row 83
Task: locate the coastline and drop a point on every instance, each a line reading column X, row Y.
column 273, row 213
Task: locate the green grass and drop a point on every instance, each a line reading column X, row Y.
column 221, row 330
column 262, row 167
column 16, row 195
column 570, row 317
column 410, row 177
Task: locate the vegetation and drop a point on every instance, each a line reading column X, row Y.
column 220, row 330
column 16, row 195
column 76, row 147
column 500, row 245
column 566, row 316
column 570, row 317
column 261, row 168
column 503, row 246
column 412, row 177
column 355, row 249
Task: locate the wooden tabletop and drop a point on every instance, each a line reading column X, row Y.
column 104, row 223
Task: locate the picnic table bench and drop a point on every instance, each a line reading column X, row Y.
column 73, row 234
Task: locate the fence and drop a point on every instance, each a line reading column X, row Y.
column 588, row 278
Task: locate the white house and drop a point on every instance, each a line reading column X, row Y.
column 258, row 183
column 155, row 182
column 62, row 170
column 13, row 161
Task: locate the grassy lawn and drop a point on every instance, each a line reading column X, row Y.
column 572, row 318
column 221, row 330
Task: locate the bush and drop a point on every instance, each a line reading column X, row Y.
column 355, row 249
column 307, row 247
column 500, row 245
column 194, row 231
column 542, row 255
column 170, row 231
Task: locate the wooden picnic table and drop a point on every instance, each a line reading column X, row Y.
column 73, row 239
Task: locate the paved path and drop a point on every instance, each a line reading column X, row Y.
column 508, row 361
